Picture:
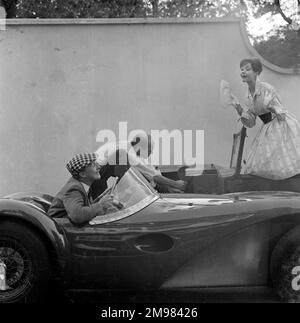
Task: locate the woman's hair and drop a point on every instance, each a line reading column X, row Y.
column 255, row 63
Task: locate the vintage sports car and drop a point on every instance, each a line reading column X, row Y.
column 157, row 242
column 219, row 180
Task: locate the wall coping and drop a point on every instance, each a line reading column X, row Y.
column 154, row 21
column 120, row 21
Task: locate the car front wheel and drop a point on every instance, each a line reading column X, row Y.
column 24, row 264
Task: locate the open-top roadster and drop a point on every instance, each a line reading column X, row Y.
column 157, row 242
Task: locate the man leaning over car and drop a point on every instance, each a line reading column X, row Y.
column 138, row 152
column 72, row 200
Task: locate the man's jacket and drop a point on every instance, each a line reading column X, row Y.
column 72, row 201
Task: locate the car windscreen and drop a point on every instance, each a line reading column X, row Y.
column 134, row 192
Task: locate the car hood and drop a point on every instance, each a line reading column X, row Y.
column 205, row 210
column 175, row 202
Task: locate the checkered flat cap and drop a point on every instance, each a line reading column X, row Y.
column 78, row 162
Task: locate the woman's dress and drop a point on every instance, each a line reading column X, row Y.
column 275, row 151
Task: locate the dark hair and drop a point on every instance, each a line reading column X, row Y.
column 76, row 176
column 255, row 63
column 135, row 141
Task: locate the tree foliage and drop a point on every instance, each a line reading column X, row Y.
column 81, row 8
column 282, row 52
column 10, row 7
column 281, row 44
column 138, row 8
column 122, row 8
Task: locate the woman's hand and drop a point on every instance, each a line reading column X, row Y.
column 281, row 116
column 238, row 108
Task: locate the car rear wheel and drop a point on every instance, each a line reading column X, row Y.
column 24, row 264
column 285, row 267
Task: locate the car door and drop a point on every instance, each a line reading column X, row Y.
column 119, row 254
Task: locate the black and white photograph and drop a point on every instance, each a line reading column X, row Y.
column 150, row 154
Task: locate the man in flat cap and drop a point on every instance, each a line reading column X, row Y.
column 73, row 201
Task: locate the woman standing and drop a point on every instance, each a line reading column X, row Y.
column 275, row 151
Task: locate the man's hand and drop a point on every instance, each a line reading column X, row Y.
column 110, row 204
column 180, row 185
column 174, row 190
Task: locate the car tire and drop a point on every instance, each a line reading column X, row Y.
column 285, row 266
column 27, row 264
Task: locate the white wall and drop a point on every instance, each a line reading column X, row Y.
column 63, row 81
